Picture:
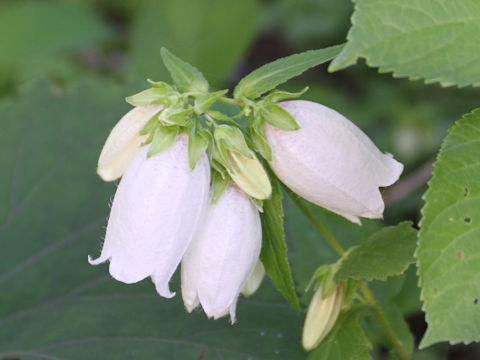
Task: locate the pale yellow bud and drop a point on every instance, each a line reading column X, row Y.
column 321, row 317
column 249, row 175
column 124, row 142
column 255, row 280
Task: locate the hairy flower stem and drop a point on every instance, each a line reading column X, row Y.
column 398, row 346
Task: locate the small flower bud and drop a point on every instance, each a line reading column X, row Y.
column 124, row 142
column 321, row 317
column 331, row 162
column 255, row 280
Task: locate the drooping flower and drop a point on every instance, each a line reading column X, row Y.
column 331, row 162
column 155, row 213
column 321, row 316
column 124, row 142
column 223, row 255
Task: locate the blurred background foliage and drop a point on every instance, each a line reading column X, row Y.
column 107, row 48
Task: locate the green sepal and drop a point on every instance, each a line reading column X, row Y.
column 219, row 185
column 217, row 115
column 159, row 84
column 258, row 204
column 197, row 145
column 155, row 95
column 323, row 278
column 176, row 116
column 185, row 76
column 279, row 118
column 203, row 103
column 279, row 95
column 150, row 126
column 259, row 140
column 232, row 139
column 163, row 139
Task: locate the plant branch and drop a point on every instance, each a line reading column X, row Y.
column 398, row 346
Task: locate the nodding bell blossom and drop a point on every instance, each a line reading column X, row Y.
column 331, row 162
column 124, row 142
column 321, row 317
column 155, row 213
column 223, row 255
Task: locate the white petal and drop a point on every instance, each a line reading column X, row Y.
column 155, row 213
column 223, row 254
column 331, row 162
column 124, row 143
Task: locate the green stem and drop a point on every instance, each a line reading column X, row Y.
column 398, row 346
column 229, row 101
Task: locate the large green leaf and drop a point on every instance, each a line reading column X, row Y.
column 212, row 35
column 347, row 341
column 386, row 253
column 277, row 72
column 433, row 40
column 35, row 32
column 274, row 249
column 53, row 207
column 449, row 247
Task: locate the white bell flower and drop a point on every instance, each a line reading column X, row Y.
column 331, row 162
column 124, row 142
column 223, row 255
column 157, row 208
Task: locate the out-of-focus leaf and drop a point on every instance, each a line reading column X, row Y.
column 212, row 35
column 449, row 248
column 435, row 41
column 53, row 208
column 32, row 32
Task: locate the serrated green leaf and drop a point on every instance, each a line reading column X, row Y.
column 386, row 253
column 279, row 118
column 277, row 72
column 163, row 139
column 197, row 145
column 203, row 103
column 147, row 97
column 448, row 248
column 53, row 210
column 186, row 76
column 274, row 248
column 416, row 38
column 346, row 341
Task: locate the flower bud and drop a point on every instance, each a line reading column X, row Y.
column 331, row 162
column 255, row 280
column 321, row 317
column 157, row 208
column 124, row 142
column 223, row 255
column 249, row 175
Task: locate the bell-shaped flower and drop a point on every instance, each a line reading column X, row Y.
column 157, row 208
column 331, row 162
column 321, row 316
column 223, row 255
column 124, row 142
